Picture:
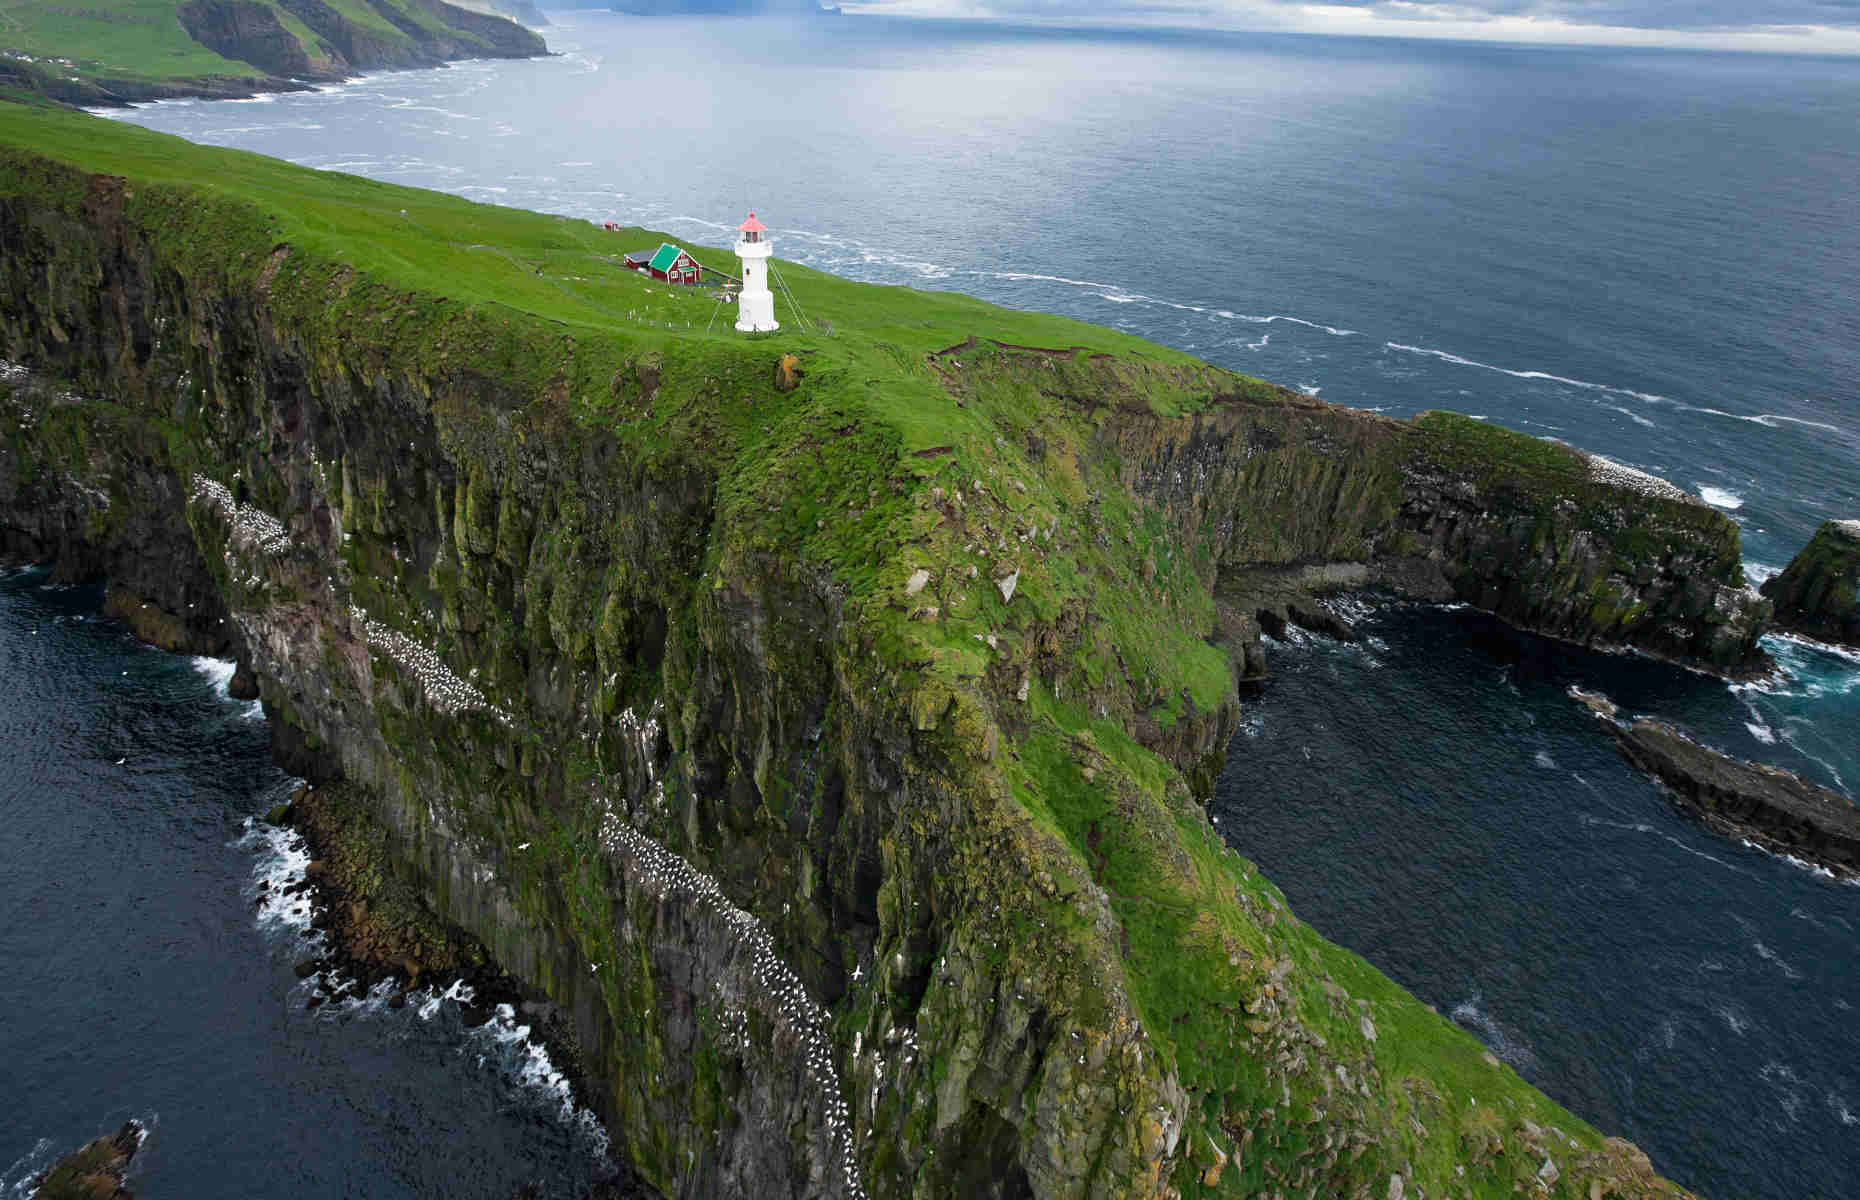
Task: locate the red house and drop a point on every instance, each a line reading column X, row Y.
column 669, row 263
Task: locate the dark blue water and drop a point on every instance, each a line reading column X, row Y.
column 1654, row 255
column 142, row 981
column 1434, row 799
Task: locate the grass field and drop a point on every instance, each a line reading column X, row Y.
column 119, row 38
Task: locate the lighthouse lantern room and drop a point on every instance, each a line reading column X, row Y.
column 755, row 304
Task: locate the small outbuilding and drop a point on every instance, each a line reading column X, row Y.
column 672, row 264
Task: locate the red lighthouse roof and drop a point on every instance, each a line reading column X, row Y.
column 752, row 225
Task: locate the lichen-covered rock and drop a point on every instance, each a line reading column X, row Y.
column 1818, row 593
column 95, row 1170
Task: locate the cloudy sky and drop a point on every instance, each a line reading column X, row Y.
column 1793, row 25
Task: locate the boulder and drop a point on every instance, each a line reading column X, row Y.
column 244, row 683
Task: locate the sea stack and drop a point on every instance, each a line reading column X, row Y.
column 1818, row 594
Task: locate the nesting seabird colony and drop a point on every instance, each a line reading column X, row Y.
column 1607, row 470
column 666, row 875
column 250, row 527
column 648, row 864
column 445, row 691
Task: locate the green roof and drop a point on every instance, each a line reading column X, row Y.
column 665, row 256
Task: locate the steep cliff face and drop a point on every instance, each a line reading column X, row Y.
column 252, row 32
column 1818, row 593
column 1288, row 497
column 828, row 754
column 256, row 46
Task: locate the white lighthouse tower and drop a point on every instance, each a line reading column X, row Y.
column 755, row 304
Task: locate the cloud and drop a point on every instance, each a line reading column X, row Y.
column 1799, row 25
column 1710, row 15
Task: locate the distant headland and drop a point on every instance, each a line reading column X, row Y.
column 115, row 52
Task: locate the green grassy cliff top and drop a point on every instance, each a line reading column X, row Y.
column 985, row 544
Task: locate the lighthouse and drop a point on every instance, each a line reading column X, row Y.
column 755, row 304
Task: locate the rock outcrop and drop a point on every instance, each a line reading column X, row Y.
column 1818, row 594
column 1294, row 498
column 252, row 32
column 94, row 1171
column 1776, row 809
column 706, row 710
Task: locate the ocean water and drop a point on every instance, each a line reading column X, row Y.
column 1653, row 255
column 146, row 980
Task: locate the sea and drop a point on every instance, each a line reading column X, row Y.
column 1651, row 254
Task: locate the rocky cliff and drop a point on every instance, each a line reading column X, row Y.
column 1818, row 593
column 828, row 754
column 286, row 44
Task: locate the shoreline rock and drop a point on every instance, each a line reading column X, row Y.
column 1818, row 594
column 1769, row 806
column 95, row 1170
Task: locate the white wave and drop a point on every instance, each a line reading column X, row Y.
column 1770, row 956
column 1757, row 574
column 1264, row 340
column 1544, row 760
column 1032, row 277
column 1763, row 733
column 1719, row 498
column 430, row 999
column 218, row 671
column 1628, row 827
column 17, row 1179
column 1310, row 389
column 1736, row 1021
column 1804, row 650
column 1788, row 735
column 1268, row 320
column 1633, row 416
column 1802, row 914
column 1353, row 607
column 279, row 859
column 1767, row 420
column 1837, row 1104
column 1545, row 376
column 1800, row 864
column 576, row 164
column 1787, row 1083
column 1119, row 299
column 1506, row 1043
column 527, row 1064
column 1643, row 827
